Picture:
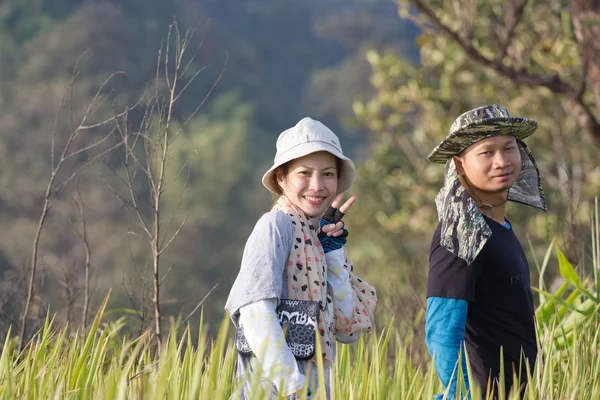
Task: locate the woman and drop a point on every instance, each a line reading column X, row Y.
column 295, row 254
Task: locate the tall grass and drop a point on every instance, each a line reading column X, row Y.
column 106, row 365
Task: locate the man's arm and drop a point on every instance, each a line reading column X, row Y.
column 450, row 288
column 445, row 322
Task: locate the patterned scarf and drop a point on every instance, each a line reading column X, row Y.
column 464, row 230
column 307, row 280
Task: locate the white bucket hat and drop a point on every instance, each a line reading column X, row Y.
column 307, row 137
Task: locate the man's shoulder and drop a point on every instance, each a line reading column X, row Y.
column 437, row 233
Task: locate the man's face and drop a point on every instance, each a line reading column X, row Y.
column 491, row 165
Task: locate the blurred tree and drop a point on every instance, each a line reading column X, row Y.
column 357, row 26
column 527, row 42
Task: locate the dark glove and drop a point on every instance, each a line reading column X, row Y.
column 331, row 243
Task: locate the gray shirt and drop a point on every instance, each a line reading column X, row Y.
column 262, row 273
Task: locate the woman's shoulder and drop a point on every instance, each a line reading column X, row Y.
column 275, row 219
column 274, row 225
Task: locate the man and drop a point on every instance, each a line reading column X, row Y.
column 478, row 292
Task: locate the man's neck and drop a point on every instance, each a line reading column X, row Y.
column 497, row 213
column 492, row 205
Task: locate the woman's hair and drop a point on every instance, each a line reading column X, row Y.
column 283, row 170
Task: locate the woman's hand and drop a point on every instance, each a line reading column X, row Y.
column 332, row 232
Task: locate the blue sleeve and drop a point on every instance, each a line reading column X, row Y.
column 445, row 322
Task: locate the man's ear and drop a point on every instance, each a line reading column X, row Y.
column 458, row 163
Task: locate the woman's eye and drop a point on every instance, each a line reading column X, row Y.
column 330, row 174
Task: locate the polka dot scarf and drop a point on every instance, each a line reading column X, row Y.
column 307, row 280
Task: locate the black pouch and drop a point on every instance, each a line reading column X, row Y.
column 299, row 321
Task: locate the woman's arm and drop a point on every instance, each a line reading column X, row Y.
column 339, row 279
column 267, row 340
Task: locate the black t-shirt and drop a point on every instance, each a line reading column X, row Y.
column 500, row 312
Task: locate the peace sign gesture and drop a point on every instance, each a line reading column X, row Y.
column 331, row 222
column 333, row 233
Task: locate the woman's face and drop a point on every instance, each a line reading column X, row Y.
column 311, row 182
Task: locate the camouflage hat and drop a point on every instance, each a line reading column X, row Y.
column 478, row 124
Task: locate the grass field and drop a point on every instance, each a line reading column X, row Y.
column 107, row 365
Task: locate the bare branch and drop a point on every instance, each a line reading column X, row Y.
column 129, row 205
column 33, row 267
column 91, row 146
column 193, row 114
column 141, row 312
column 187, row 177
column 190, row 82
column 69, row 291
column 72, row 94
column 129, row 149
column 86, row 291
column 168, row 46
column 175, row 234
column 88, row 112
column 82, row 167
column 193, row 57
column 106, row 121
column 167, row 273
column 198, row 305
column 125, row 183
column 124, row 203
